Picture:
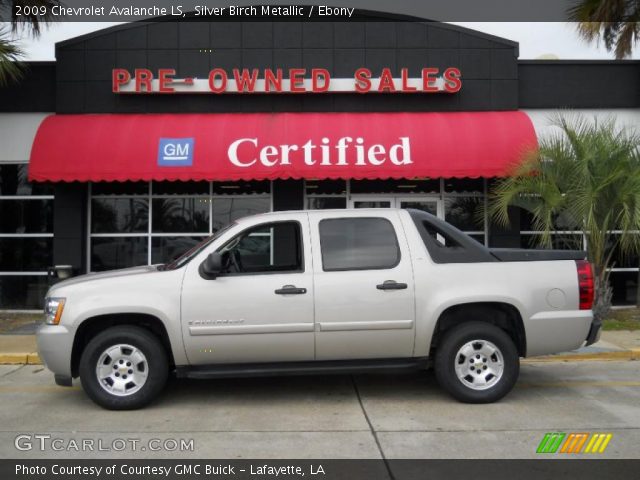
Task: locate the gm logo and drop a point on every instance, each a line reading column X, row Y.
column 175, row 152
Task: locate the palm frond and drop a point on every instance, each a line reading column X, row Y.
column 10, row 67
column 33, row 23
column 585, row 174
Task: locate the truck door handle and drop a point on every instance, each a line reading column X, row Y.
column 391, row 285
column 290, row 290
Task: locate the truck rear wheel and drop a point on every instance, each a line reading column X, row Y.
column 477, row 362
column 123, row 368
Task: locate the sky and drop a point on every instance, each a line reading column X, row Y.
column 536, row 39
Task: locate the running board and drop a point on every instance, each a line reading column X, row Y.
column 326, row 367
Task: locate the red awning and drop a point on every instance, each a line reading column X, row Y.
column 257, row 146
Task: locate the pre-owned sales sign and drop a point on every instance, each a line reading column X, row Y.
column 294, row 80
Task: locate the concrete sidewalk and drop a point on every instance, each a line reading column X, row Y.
column 613, row 345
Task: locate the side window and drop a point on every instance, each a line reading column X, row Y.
column 358, row 244
column 273, row 247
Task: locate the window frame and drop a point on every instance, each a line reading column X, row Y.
column 359, row 269
column 302, row 268
column 15, row 235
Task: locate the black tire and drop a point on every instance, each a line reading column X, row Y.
column 156, row 360
column 446, row 361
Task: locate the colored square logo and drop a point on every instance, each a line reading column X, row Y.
column 175, row 152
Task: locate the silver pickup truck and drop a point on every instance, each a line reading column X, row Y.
column 329, row 291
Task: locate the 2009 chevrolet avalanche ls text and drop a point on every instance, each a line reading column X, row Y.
column 320, row 291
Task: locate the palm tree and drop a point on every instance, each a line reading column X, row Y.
column 10, row 53
column 587, row 173
column 617, row 22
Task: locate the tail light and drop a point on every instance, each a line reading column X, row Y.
column 585, row 284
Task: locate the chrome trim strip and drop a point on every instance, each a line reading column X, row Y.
column 246, row 329
column 375, row 325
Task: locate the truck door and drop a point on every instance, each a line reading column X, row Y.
column 261, row 308
column 363, row 285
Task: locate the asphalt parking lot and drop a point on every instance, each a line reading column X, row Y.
column 403, row 416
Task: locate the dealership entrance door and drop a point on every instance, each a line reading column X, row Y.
column 431, row 205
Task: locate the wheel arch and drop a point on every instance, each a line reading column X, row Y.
column 501, row 314
column 91, row 326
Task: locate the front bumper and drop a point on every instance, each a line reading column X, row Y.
column 54, row 348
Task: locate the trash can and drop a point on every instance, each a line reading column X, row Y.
column 59, row 272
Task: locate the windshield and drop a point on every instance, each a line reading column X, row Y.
column 189, row 254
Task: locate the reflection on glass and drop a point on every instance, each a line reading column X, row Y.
column 227, row 210
column 625, row 287
column 20, row 292
column 180, row 188
column 358, row 244
column 478, row 238
column 119, row 215
column 26, row 216
column 26, row 254
column 180, row 215
column 324, row 203
column 372, row 204
column 464, row 213
column 14, row 181
column 241, row 188
column 120, row 188
column 563, row 221
column 558, row 241
column 413, row 185
column 426, row 206
column 166, row 249
column 331, row 187
column 118, row 252
column 464, row 185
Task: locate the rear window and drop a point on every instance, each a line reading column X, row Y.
column 358, row 244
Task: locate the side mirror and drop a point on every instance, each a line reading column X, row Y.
column 211, row 267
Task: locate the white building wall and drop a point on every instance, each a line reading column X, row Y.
column 542, row 119
column 17, row 131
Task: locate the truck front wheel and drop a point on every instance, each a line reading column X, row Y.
column 477, row 362
column 123, row 368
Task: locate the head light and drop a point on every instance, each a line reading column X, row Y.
column 53, row 310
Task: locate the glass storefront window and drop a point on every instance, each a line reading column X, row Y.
column 465, row 213
column 177, row 215
column 325, row 203
column 227, row 210
column 120, row 188
column 561, row 222
column 558, row 241
column 624, row 260
column 20, row 292
column 14, row 181
column 119, row 215
column 257, row 187
column 136, row 223
column 110, row 253
column 26, row 238
column 25, row 254
column 166, row 249
column 26, row 216
column 464, row 185
column 326, row 187
column 396, row 186
column 625, row 287
column 180, row 188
